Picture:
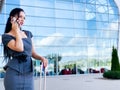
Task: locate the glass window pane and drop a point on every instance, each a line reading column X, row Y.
column 79, row 24
column 102, row 17
column 64, row 14
column 65, row 31
column 44, row 12
column 39, row 21
column 79, row 1
column 79, row 7
column 2, row 28
column 63, row 5
column 79, row 15
column 64, row 23
column 80, row 33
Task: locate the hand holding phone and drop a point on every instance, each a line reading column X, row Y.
column 13, row 19
column 15, row 24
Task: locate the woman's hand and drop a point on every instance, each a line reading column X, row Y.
column 45, row 62
column 15, row 25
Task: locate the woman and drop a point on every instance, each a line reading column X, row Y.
column 18, row 50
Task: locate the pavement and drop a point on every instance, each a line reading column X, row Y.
column 76, row 82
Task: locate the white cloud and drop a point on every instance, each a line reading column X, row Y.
column 89, row 14
column 51, row 40
column 114, row 26
column 72, row 53
column 92, row 51
column 75, row 40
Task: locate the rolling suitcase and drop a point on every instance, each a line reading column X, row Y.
column 42, row 77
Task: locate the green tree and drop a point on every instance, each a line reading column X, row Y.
column 115, row 60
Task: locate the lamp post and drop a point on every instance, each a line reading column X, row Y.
column 1, row 5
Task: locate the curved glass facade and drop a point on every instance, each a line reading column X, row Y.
column 73, row 34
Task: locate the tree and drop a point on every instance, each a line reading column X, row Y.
column 114, row 73
column 115, row 60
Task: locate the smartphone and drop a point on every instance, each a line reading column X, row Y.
column 14, row 19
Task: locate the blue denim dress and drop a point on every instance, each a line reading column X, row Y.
column 19, row 69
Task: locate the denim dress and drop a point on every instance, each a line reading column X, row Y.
column 19, row 68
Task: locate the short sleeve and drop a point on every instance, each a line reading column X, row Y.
column 29, row 34
column 6, row 39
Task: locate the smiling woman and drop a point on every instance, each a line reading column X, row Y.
column 18, row 51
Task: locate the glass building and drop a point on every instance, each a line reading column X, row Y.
column 77, row 35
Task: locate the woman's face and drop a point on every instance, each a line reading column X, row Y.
column 21, row 18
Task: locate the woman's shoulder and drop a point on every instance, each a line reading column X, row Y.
column 6, row 38
column 6, row 35
column 28, row 33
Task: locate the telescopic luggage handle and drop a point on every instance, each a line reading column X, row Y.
column 42, row 83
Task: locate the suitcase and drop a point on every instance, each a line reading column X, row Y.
column 42, row 77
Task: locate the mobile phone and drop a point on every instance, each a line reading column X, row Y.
column 13, row 19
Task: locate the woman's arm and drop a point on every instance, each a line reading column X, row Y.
column 38, row 57
column 16, row 44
